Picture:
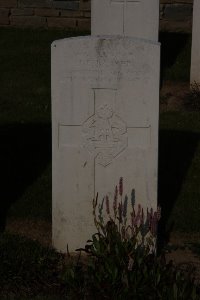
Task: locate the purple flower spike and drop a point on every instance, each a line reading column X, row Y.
column 120, row 212
column 107, row 205
column 121, row 186
column 125, row 206
column 133, row 198
column 115, row 201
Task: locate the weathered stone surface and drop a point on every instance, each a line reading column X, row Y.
column 73, row 5
column 25, row 21
column 195, row 59
column 61, row 23
column 135, row 18
column 84, row 24
column 22, row 12
column 8, row 3
column 105, row 99
column 47, row 12
column 35, row 3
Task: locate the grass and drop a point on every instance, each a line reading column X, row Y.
column 28, row 270
column 175, row 56
column 179, row 170
column 25, row 74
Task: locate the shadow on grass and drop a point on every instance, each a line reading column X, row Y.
column 171, row 45
column 176, row 151
column 25, row 151
column 175, row 55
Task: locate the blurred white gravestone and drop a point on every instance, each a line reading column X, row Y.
column 134, row 18
column 195, row 58
column 105, row 103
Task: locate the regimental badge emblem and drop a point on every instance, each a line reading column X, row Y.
column 105, row 134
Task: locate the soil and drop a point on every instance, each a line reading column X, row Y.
column 36, row 230
column 173, row 96
column 182, row 255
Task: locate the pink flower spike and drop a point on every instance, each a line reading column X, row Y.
column 107, row 205
column 125, row 206
column 121, row 186
column 115, row 201
column 120, row 212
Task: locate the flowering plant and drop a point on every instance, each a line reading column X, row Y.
column 122, row 262
column 139, row 228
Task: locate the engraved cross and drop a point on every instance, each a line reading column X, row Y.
column 105, row 135
column 124, row 3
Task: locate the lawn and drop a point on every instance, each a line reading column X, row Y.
column 25, row 132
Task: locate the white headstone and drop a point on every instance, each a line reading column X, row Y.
column 195, row 60
column 105, row 99
column 134, row 18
